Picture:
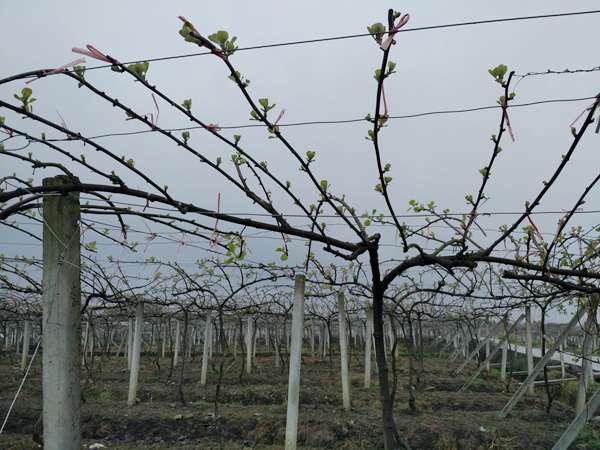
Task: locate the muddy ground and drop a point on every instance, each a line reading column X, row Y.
column 252, row 411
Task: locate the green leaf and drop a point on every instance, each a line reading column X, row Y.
column 498, row 73
column 220, row 37
column 186, row 136
column 264, row 102
column 377, row 30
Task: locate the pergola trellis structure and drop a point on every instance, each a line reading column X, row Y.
column 461, row 251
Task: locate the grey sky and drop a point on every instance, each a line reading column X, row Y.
column 433, row 158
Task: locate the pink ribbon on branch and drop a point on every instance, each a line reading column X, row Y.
column 508, row 126
column 59, row 69
column 402, row 20
column 92, row 52
column 535, row 228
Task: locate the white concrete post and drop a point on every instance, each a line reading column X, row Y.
column 235, row 342
column 205, row 348
column 586, row 353
column 130, row 332
column 255, row 344
column 135, row 354
column 391, row 336
column 529, row 347
column 504, row 352
column 26, row 342
column 313, row 331
column 323, row 341
column 343, row 352
column 249, row 340
column 276, row 344
column 163, row 344
column 177, row 343
column 61, row 327
column 561, row 357
column 293, row 398
column 368, row 346
column 86, row 336
column 487, row 353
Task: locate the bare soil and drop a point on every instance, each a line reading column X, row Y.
column 252, row 409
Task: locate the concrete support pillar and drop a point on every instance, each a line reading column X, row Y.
column 255, row 344
column 177, row 343
column 368, row 346
column 344, row 352
column 26, row 343
column 504, row 352
column 293, row 398
column 61, row 327
column 134, row 371
column 86, row 336
column 561, row 357
column 313, row 332
column 277, row 356
column 206, row 347
column 391, row 336
column 249, row 340
column 130, row 333
column 585, row 363
column 163, row 339
column 324, row 335
column 529, row 347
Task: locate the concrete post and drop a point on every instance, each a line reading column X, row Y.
column 255, row 344
column 293, row 398
column 177, row 343
column 529, row 347
column 561, row 357
column 368, row 346
column 504, row 351
column 391, row 336
column 205, row 348
column 130, row 332
column 86, row 336
column 249, row 339
column 323, row 341
column 343, row 352
column 26, row 343
column 313, row 331
column 586, row 353
column 276, row 345
column 163, row 339
column 135, row 354
column 61, row 327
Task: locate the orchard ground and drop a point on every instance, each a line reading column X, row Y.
column 252, row 408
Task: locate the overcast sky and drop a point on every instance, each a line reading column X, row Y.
column 433, row 158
